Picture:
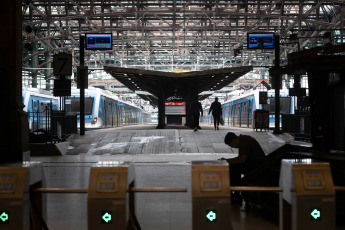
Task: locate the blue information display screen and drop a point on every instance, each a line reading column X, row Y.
column 260, row 40
column 98, row 42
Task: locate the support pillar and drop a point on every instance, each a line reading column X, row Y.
column 161, row 111
column 48, row 72
column 320, row 110
column 14, row 142
column 189, row 117
column 34, row 64
column 277, row 86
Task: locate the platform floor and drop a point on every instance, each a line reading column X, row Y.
column 162, row 158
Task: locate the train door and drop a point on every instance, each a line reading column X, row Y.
column 243, row 113
column 250, row 113
column 121, row 110
column 233, row 115
column 117, row 114
column 130, row 121
column 133, row 116
column 125, row 115
column 226, row 115
column 35, row 115
column 229, row 115
column 105, row 112
column 240, row 115
column 112, row 114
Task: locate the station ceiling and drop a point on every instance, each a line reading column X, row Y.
column 175, row 34
column 152, row 84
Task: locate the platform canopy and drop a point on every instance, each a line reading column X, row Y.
column 178, row 85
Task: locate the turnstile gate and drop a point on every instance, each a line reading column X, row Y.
column 211, row 195
column 107, row 195
column 18, row 208
column 312, row 204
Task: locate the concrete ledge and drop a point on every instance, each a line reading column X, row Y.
column 43, row 149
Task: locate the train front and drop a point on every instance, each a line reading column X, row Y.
column 72, row 106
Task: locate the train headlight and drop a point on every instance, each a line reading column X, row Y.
column 94, row 121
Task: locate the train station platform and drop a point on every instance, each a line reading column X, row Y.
column 162, row 158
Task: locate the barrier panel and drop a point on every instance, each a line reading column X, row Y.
column 107, row 206
column 211, row 195
column 311, row 205
column 18, row 208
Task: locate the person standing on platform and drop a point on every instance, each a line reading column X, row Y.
column 250, row 156
column 196, row 109
column 216, row 109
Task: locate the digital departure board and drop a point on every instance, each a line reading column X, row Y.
column 260, row 41
column 98, row 41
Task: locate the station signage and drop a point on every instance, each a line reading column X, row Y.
column 211, row 215
column 4, row 217
column 315, row 213
column 106, row 217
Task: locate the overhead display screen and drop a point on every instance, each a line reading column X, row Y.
column 98, row 42
column 260, row 40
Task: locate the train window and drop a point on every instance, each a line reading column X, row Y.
column 72, row 105
column 44, row 106
column 285, row 105
column 244, row 107
column 237, row 109
column 35, row 106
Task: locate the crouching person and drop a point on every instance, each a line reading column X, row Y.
column 250, row 156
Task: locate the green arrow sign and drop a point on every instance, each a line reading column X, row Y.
column 316, row 214
column 211, row 215
column 4, row 217
column 106, row 217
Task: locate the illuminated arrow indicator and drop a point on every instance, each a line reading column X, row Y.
column 211, row 216
column 106, row 217
column 4, row 217
column 316, row 214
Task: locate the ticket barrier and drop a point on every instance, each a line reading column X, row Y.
column 312, row 204
column 107, row 195
column 211, row 195
column 18, row 208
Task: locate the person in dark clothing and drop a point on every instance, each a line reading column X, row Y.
column 250, row 156
column 196, row 109
column 216, row 109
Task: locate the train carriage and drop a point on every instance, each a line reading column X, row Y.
column 39, row 105
column 103, row 110
column 238, row 111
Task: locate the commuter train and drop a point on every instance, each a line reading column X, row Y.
column 39, row 105
column 103, row 110
column 238, row 111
